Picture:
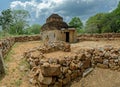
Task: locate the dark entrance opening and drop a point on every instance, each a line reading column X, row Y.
column 67, row 36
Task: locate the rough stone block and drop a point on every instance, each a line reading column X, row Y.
column 98, row 59
column 52, row 70
column 45, row 80
column 87, row 71
column 87, row 64
column 57, row 84
column 74, row 75
column 67, row 79
column 102, row 65
column 41, row 85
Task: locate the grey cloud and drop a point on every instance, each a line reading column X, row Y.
column 69, row 8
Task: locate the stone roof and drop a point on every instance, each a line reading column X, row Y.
column 54, row 16
column 55, row 23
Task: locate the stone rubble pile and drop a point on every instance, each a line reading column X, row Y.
column 107, row 57
column 53, row 72
column 57, row 45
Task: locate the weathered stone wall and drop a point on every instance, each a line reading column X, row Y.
column 60, row 35
column 27, row 38
column 54, row 72
column 95, row 37
column 6, row 44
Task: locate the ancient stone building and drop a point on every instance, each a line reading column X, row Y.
column 56, row 29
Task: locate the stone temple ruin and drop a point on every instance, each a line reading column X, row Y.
column 62, row 70
column 56, row 29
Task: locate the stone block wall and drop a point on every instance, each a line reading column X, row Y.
column 96, row 37
column 27, row 38
column 54, row 72
column 6, row 44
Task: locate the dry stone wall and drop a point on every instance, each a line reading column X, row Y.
column 6, row 44
column 27, row 38
column 95, row 37
column 54, row 72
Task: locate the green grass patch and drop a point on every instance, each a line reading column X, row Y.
column 8, row 58
column 18, row 83
column 26, row 65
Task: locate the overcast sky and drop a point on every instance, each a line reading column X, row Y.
column 41, row 9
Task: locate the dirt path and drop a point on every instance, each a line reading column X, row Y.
column 100, row 78
column 16, row 66
column 16, row 75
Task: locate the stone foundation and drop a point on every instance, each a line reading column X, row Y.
column 67, row 68
column 59, row 72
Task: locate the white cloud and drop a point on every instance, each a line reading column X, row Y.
column 67, row 8
column 45, row 6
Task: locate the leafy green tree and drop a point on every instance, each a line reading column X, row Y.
column 95, row 23
column 20, row 21
column 77, row 23
column 6, row 20
column 104, row 22
column 115, row 19
column 34, row 29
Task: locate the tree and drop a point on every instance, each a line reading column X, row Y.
column 20, row 21
column 6, row 20
column 95, row 23
column 34, row 29
column 104, row 22
column 115, row 22
column 76, row 22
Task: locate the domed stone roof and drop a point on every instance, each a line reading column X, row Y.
column 55, row 16
column 53, row 22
